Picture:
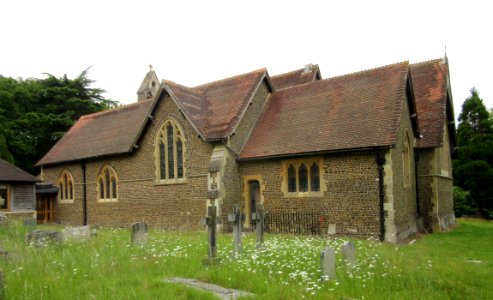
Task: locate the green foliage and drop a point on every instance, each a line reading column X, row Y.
column 451, row 265
column 35, row 113
column 473, row 169
column 462, row 203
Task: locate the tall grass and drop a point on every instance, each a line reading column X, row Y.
column 452, row 265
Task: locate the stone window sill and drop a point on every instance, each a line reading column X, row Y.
column 66, row 201
column 171, row 181
column 303, row 194
column 107, row 200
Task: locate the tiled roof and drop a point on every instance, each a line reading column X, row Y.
column 287, row 80
column 354, row 111
column 10, row 173
column 430, row 92
column 216, row 108
column 100, row 134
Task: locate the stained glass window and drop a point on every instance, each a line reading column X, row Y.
column 291, row 179
column 303, row 175
column 315, row 178
column 171, row 152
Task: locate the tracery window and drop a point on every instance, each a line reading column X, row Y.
column 107, row 184
column 170, row 153
column 66, row 187
column 302, row 177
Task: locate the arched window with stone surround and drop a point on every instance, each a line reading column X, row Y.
column 406, row 161
column 170, row 153
column 107, row 185
column 66, row 187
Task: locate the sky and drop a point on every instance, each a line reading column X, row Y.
column 195, row 42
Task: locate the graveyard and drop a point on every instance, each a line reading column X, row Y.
column 142, row 263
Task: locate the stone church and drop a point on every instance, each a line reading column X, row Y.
column 370, row 151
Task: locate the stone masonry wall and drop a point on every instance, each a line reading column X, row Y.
column 401, row 206
column 232, row 178
column 436, row 186
column 140, row 197
column 64, row 212
column 350, row 202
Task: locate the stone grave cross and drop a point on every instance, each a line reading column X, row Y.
column 259, row 217
column 211, row 222
column 237, row 219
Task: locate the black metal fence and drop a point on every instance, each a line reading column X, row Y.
column 296, row 222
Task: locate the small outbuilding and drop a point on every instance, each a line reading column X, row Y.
column 17, row 192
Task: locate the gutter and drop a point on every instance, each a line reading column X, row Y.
column 380, row 160
column 377, row 148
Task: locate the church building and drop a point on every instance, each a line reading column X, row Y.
column 370, row 152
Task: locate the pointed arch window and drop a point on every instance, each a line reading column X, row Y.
column 315, row 178
column 107, row 184
column 302, row 177
column 291, row 179
column 170, row 153
column 66, row 187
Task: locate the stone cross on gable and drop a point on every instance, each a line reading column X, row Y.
column 150, row 67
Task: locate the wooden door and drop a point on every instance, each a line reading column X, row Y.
column 44, row 208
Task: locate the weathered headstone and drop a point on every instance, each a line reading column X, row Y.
column 258, row 217
column 2, row 287
column 328, row 264
column 139, row 233
column 211, row 221
column 4, row 220
column 236, row 218
column 347, row 250
column 77, row 233
column 29, row 222
column 40, row 238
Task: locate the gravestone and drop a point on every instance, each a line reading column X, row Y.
column 2, row 287
column 259, row 217
column 328, row 264
column 29, row 222
column 77, row 233
column 40, row 238
column 211, row 221
column 347, row 250
column 139, row 233
column 4, row 220
column 236, row 218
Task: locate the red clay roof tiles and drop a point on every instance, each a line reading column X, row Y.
column 304, row 114
column 430, row 92
column 353, row 111
column 10, row 173
column 216, row 108
column 100, row 134
column 306, row 75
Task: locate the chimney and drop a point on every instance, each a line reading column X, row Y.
column 308, row 68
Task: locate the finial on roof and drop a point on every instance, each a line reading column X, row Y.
column 150, row 67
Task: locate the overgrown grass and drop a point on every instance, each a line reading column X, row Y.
column 452, row 265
